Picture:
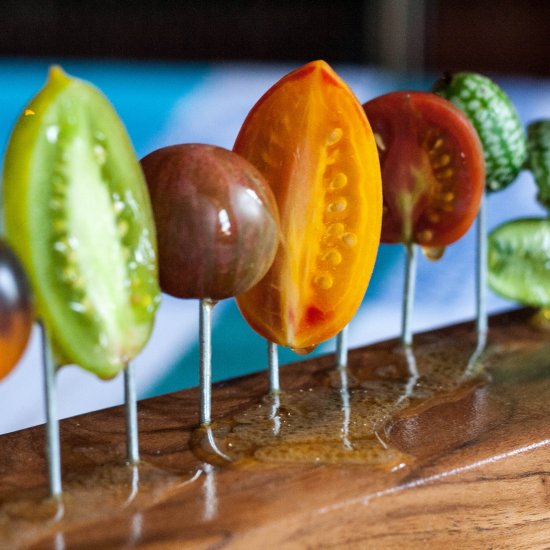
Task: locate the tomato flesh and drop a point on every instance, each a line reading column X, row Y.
column 310, row 139
column 432, row 168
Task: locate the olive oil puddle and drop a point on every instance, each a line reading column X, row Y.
column 355, row 415
column 108, row 490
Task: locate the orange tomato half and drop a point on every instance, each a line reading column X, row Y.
column 310, row 138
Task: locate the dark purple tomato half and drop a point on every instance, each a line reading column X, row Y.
column 216, row 217
column 16, row 310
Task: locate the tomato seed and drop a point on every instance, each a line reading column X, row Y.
column 338, row 181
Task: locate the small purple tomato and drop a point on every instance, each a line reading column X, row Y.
column 216, row 217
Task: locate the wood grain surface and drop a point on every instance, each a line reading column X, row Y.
column 472, row 467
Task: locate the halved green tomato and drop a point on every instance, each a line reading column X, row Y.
column 519, row 261
column 78, row 214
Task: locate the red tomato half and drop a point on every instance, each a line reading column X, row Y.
column 433, row 172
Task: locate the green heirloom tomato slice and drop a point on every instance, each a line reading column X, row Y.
column 496, row 121
column 78, row 214
column 519, row 261
column 538, row 147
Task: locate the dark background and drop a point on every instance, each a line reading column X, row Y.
column 507, row 36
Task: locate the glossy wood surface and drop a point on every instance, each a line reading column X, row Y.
column 476, row 473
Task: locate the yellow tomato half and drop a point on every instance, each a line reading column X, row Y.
column 310, row 138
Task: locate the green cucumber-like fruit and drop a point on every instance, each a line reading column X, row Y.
column 77, row 212
column 538, row 158
column 519, row 261
column 496, row 121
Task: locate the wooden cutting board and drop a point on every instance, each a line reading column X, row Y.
column 367, row 458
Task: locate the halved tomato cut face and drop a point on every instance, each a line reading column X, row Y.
column 433, row 172
column 309, row 137
column 77, row 213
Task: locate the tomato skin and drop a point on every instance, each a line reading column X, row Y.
column 16, row 310
column 309, row 137
column 216, row 219
column 538, row 147
column 432, row 168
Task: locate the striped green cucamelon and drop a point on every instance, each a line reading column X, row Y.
column 496, row 120
column 77, row 212
column 538, row 158
column 519, row 261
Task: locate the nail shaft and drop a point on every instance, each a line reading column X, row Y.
column 342, row 348
column 475, row 365
column 412, row 370
column 211, row 442
column 273, row 366
column 274, row 385
column 411, row 251
column 413, row 375
column 205, row 350
column 346, row 407
column 134, row 484
column 481, row 266
column 53, row 448
column 275, row 417
column 130, row 401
